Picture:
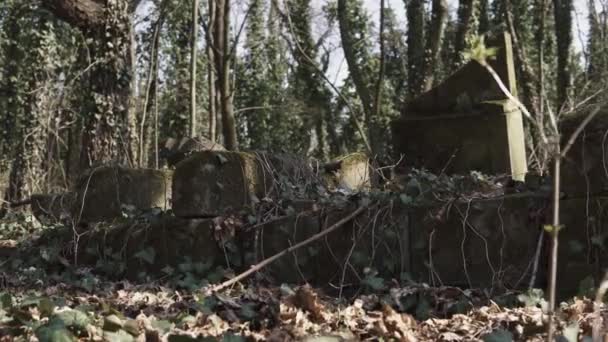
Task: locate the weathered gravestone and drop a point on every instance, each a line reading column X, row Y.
column 352, row 172
column 466, row 123
column 211, row 183
column 104, row 193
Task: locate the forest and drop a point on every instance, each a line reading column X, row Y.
column 303, row 170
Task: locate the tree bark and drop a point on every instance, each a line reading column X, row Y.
column 222, row 62
column 363, row 83
column 193, row 58
column 562, row 10
column 439, row 19
column 107, row 120
column 415, row 47
column 467, row 27
column 348, row 45
column 211, row 82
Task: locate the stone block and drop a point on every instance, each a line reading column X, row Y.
column 585, row 167
column 352, row 172
column 583, row 243
column 168, row 241
column 466, row 123
column 104, row 192
column 481, row 244
column 211, row 183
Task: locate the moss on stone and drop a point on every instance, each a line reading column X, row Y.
column 104, row 192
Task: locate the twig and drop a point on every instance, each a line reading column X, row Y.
column 269, row 260
column 579, row 129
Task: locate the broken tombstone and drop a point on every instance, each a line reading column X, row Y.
column 211, row 183
column 352, row 172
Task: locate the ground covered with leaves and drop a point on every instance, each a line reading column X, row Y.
column 122, row 311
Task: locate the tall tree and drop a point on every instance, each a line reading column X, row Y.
column 415, row 46
column 108, row 121
column 193, row 62
column 211, row 80
column 356, row 43
column 439, row 18
column 177, row 54
column 308, row 87
column 254, row 97
column 223, row 59
column 563, row 32
column 467, row 28
column 597, row 67
column 395, row 58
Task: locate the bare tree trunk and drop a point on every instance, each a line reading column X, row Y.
column 439, row 19
column 150, row 101
column 193, row 58
column 223, row 58
column 211, row 82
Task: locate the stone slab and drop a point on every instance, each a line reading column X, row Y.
column 104, row 192
column 466, row 123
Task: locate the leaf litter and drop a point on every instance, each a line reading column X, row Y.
column 122, row 311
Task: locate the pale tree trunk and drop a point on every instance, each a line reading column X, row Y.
column 193, row 58
column 211, row 82
column 221, row 44
column 107, row 118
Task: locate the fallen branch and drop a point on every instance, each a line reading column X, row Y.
column 275, row 257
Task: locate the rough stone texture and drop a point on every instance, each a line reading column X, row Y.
column 352, row 172
column 491, row 248
column 466, row 123
column 583, row 242
column 375, row 239
column 104, row 191
column 299, row 267
column 169, row 241
column 211, row 183
column 585, row 168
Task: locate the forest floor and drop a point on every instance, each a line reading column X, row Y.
column 45, row 297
